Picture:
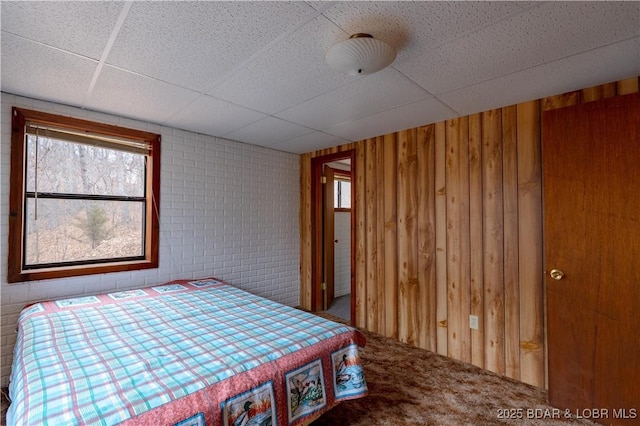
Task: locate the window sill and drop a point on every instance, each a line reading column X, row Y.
column 74, row 271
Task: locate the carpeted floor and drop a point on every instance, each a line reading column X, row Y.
column 4, row 404
column 410, row 386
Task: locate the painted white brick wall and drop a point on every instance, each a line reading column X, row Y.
column 227, row 209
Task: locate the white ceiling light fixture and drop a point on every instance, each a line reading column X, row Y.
column 361, row 54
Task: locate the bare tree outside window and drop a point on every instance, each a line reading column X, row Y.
column 88, row 197
column 64, row 226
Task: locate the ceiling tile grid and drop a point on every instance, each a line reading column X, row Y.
column 255, row 72
column 419, row 26
column 372, row 94
column 193, row 44
column 79, row 27
column 610, row 63
column 317, row 140
column 403, row 117
column 269, row 131
column 213, row 116
column 299, row 57
column 135, row 95
column 27, row 70
column 539, row 35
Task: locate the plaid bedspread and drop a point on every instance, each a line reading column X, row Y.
column 188, row 353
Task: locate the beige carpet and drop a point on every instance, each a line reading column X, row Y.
column 410, row 386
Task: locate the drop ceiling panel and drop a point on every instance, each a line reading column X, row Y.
column 79, row 27
column 364, row 96
column 268, row 131
column 290, row 72
column 213, row 116
column 584, row 70
column 37, row 71
column 542, row 34
column 423, row 112
column 415, row 27
column 136, row 96
column 309, row 142
column 193, row 44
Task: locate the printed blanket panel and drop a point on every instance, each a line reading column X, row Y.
column 181, row 353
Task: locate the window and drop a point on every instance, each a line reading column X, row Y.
column 84, row 197
column 342, row 193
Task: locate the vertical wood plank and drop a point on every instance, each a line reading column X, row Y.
column 628, row 86
column 390, row 235
column 407, row 237
column 493, row 243
column 305, row 231
column 599, row 92
column 475, row 235
column 441, row 239
column 426, row 308
column 380, row 233
column 530, row 244
column 371, row 257
column 458, row 272
column 361, row 237
column 510, row 205
column 559, row 101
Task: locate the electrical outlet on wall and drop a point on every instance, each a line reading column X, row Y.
column 473, row 322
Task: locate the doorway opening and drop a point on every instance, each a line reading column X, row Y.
column 333, row 233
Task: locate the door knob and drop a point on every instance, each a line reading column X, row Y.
column 556, row 274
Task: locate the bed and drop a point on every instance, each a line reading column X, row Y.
column 188, row 352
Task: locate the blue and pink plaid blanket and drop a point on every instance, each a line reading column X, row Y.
column 187, row 352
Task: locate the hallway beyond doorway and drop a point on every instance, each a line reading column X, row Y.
column 341, row 307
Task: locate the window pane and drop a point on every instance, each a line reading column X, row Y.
column 77, row 230
column 74, row 168
column 345, row 194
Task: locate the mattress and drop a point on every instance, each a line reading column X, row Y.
column 188, row 352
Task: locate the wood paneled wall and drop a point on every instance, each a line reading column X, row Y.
column 448, row 225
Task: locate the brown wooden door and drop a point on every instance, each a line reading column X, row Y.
column 329, row 237
column 591, row 166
